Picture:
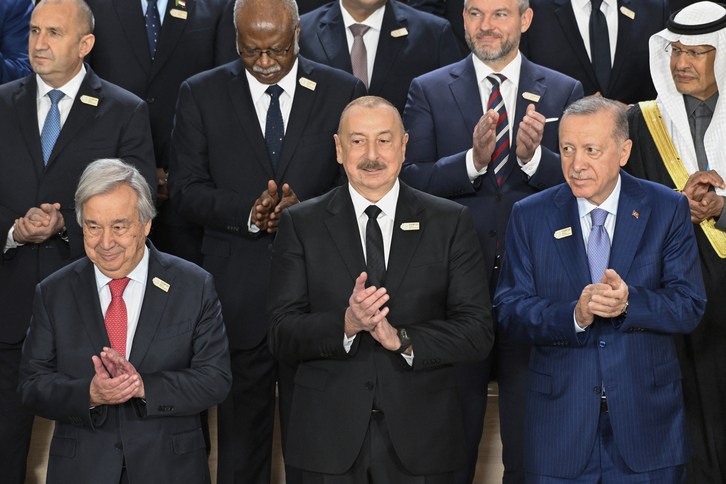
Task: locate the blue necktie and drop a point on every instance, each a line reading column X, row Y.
column 275, row 127
column 598, row 245
column 52, row 125
column 153, row 26
column 501, row 148
column 600, row 46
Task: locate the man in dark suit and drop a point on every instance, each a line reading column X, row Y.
column 126, row 346
column 14, row 21
column 397, row 43
column 452, row 11
column 483, row 132
column 377, row 289
column 561, row 38
column 239, row 156
column 599, row 273
column 40, row 167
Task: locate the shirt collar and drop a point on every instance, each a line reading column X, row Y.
column 138, row 274
column 692, row 103
column 374, row 20
column 585, row 4
column 70, row 88
column 387, row 204
column 287, row 83
column 510, row 71
column 610, row 205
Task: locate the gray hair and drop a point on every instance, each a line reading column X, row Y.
column 84, row 16
column 106, row 175
column 588, row 106
column 521, row 4
column 289, row 5
column 370, row 102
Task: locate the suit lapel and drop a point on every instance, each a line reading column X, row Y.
column 171, row 30
column 622, row 49
column 571, row 248
column 566, row 17
column 331, row 33
column 85, row 293
column 239, row 93
column 404, row 242
column 388, row 47
column 302, row 106
column 80, row 113
column 26, row 109
column 155, row 300
column 630, row 224
column 343, row 229
column 131, row 17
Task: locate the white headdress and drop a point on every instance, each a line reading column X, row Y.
column 703, row 23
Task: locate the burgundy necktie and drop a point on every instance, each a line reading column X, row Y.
column 116, row 317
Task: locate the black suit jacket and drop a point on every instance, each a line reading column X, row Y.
column 437, row 283
column 553, row 40
column 179, row 349
column 451, row 10
column 203, row 40
column 428, row 45
column 220, row 166
column 118, row 127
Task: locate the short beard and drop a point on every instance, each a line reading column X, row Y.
column 505, row 48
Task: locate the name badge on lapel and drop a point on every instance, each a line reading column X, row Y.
column 164, row 286
column 176, row 13
column 399, row 32
column 307, row 83
column 627, row 12
column 409, row 226
column 91, row 101
column 529, row 96
column 562, row 233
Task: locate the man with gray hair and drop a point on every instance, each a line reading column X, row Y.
column 251, row 137
column 678, row 141
column 53, row 123
column 126, row 346
column 600, row 272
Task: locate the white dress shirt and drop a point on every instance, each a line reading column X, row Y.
column 370, row 38
column 160, row 5
column 582, row 10
column 385, row 219
column 133, row 296
column 610, row 205
column 261, row 100
column 43, row 103
column 509, row 90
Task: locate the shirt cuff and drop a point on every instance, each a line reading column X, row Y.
column 578, row 329
column 408, row 358
column 251, row 227
column 530, row 168
column 10, row 242
column 348, row 342
column 470, row 169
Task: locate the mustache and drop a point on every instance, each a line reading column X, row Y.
column 372, row 165
column 579, row 175
column 487, row 33
column 685, row 71
column 269, row 70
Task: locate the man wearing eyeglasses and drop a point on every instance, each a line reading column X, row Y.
column 251, row 138
column 678, row 141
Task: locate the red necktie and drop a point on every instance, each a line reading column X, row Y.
column 116, row 319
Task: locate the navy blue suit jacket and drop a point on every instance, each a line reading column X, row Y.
column 654, row 251
column 179, row 349
column 220, row 165
column 553, row 40
column 443, row 109
column 14, row 28
column 429, row 44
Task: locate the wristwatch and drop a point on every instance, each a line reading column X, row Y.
column 625, row 309
column 405, row 340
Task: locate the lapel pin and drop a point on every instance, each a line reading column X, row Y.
column 551, row 120
column 627, row 12
column 531, row 97
column 181, row 3
column 307, row 83
column 635, row 214
column 409, row 226
column 399, row 32
column 176, row 13
column 164, row 286
column 562, row 233
column 91, row 101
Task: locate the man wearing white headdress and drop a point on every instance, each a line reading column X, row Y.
column 678, row 140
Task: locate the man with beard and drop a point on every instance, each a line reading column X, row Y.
column 483, row 132
column 251, row 137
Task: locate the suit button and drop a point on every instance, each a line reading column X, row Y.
column 493, row 233
column 162, row 408
column 119, row 446
column 150, row 99
column 542, row 186
column 596, row 390
column 369, row 385
column 499, row 197
column 602, row 344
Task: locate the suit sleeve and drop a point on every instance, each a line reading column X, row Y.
column 135, row 145
column 207, row 379
column 14, row 62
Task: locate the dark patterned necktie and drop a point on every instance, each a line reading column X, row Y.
column 52, row 125
column 153, row 26
column 375, row 258
column 275, row 127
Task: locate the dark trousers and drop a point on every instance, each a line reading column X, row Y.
column 376, row 463
column 246, row 418
column 16, row 424
column 606, row 465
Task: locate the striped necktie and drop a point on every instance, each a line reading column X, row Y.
column 501, row 149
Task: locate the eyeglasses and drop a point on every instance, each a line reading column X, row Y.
column 674, row 51
column 275, row 54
